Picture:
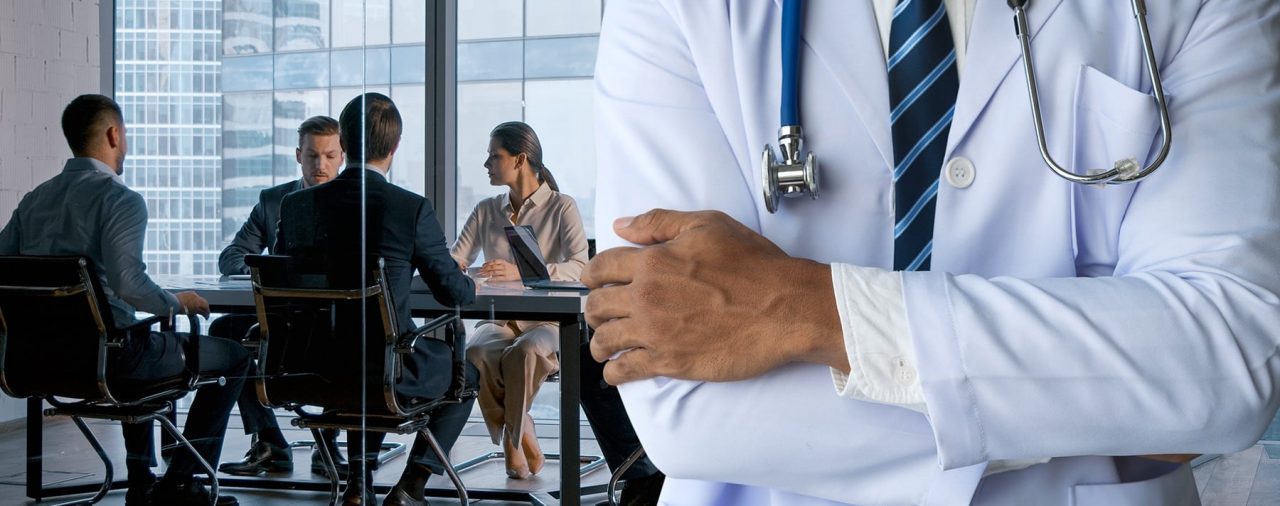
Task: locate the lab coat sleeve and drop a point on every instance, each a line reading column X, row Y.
column 829, row 446
column 1176, row 352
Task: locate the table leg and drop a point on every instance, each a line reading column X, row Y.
column 572, row 335
column 35, row 448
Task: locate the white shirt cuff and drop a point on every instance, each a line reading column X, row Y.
column 882, row 357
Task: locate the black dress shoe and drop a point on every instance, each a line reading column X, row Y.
column 358, row 496
column 262, row 457
column 399, row 497
column 139, row 490
column 318, row 467
column 186, row 494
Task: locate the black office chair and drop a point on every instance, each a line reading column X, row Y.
column 312, row 354
column 53, row 311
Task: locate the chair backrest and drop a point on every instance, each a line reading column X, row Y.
column 55, row 328
column 322, row 335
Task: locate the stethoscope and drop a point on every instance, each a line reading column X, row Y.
column 792, row 177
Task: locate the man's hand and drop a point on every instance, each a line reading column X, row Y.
column 708, row 299
column 500, row 270
column 192, row 303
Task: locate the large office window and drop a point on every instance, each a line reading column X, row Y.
column 213, row 92
column 287, row 60
column 166, row 74
column 532, row 61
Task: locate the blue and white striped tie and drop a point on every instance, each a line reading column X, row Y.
column 922, row 94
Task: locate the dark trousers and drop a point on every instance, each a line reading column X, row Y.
column 609, row 420
column 159, row 355
column 255, row 416
column 446, row 424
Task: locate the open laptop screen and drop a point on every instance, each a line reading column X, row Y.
column 526, row 253
column 529, row 260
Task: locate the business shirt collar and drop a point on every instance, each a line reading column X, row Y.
column 536, row 199
column 355, row 171
column 88, row 163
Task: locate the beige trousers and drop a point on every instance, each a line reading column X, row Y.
column 512, row 368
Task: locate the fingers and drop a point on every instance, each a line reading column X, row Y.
column 608, row 303
column 614, row 266
column 659, row 225
column 633, row 365
column 615, row 336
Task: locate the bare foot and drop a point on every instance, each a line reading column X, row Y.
column 532, row 451
column 517, row 465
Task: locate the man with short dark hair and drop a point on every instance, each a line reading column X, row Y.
column 319, row 153
column 364, row 214
column 87, row 211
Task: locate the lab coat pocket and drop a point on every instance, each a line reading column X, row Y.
column 1173, row 487
column 1112, row 122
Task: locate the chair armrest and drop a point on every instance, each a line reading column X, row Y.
column 406, row 341
column 192, row 350
column 119, row 336
column 142, row 324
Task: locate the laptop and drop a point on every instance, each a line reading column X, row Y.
column 528, row 258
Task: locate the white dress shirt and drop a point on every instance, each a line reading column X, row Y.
column 873, row 316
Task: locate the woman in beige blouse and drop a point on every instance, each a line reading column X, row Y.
column 515, row 357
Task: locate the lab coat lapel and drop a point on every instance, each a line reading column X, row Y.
column 990, row 58
column 846, row 40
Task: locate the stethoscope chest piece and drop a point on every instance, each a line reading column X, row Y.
column 788, row 177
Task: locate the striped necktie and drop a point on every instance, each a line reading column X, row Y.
column 922, row 96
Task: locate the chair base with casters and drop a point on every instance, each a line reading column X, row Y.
column 141, row 413
column 589, row 463
column 390, row 425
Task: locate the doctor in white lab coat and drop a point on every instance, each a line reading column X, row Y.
column 1061, row 327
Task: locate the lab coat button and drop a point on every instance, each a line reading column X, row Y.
column 960, row 172
column 905, row 374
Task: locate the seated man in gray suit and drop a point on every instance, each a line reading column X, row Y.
column 319, row 153
column 333, row 226
column 86, row 210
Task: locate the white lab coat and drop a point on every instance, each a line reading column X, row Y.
column 1059, row 321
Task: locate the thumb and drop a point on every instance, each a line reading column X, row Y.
column 657, row 225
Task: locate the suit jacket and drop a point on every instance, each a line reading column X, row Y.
column 259, row 231
column 87, row 210
column 322, row 225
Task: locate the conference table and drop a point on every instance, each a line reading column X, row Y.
column 503, row 301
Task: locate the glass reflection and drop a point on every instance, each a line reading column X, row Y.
column 408, row 64
column 246, row 155
column 301, row 24
column 349, row 32
column 563, row 17
column 348, row 70
column 247, row 73
column 302, row 70
column 246, row 26
column 568, row 57
column 479, row 61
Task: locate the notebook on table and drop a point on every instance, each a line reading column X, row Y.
column 533, row 267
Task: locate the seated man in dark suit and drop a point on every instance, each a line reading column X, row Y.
column 88, row 211
column 319, row 153
column 328, row 225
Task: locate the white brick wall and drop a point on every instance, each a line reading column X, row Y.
column 48, row 56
